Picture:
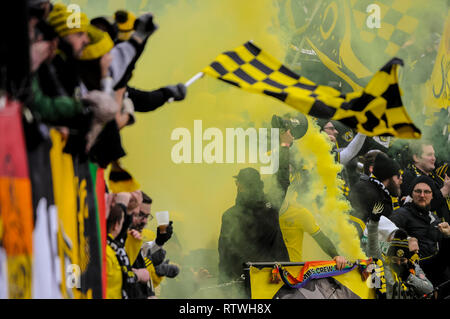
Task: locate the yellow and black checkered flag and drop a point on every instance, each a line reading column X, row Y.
column 376, row 110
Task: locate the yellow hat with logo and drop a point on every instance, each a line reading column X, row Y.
column 66, row 22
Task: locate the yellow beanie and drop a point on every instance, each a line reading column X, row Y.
column 64, row 22
column 125, row 23
column 99, row 45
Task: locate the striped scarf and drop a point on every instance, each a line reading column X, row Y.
column 129, row 279
column 379, row 185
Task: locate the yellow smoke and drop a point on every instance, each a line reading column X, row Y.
column 191, row 35
column 331, row 211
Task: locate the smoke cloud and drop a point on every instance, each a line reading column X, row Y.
column 191, row 34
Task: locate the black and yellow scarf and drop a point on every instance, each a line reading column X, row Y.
column 129, row 279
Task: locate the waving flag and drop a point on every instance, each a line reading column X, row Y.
column 376, row 110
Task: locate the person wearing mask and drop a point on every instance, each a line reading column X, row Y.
column 404, row 277
column 250, row 230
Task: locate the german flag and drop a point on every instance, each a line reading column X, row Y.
column 374, row 111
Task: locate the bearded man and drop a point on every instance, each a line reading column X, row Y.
column 417, row 219
column 374, row 195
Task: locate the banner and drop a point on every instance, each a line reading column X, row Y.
column 46, row 269
column 316, row 270
column 88, row 230
column 438, row 86
column 98, row 180
column 16, row 210
column 78, row 236
column 276, row 281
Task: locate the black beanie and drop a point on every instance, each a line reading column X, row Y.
column 399, row 245
column 423, row 179
column 385, row 167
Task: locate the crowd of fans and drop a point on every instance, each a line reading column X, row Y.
column 399, row 196
column 79, row 85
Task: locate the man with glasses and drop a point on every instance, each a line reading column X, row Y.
column 423, row 163
column 418, row 221
column 142, row 216
column 404, row 277
column 331, row 131
column 151, row 259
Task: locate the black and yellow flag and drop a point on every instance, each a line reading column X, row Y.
column 120, row 180
column 373, row 111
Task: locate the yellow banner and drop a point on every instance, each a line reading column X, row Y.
column 438, row 86
column 263, row 287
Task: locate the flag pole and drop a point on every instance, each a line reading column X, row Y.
column 196, row 77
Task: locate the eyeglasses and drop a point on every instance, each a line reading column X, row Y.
column 142, row 215
column 329, row 128
column 420, row 191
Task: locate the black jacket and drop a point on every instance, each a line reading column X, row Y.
column 251, row 230
column 365, row 196
column 146, row 101
column 249, row 233
column 142, row 290
column 420, row 224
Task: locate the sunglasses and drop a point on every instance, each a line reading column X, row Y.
column 142, row 215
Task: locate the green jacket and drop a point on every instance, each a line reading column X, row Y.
column 54, row 110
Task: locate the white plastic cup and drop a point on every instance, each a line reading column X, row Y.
column 162, row 219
